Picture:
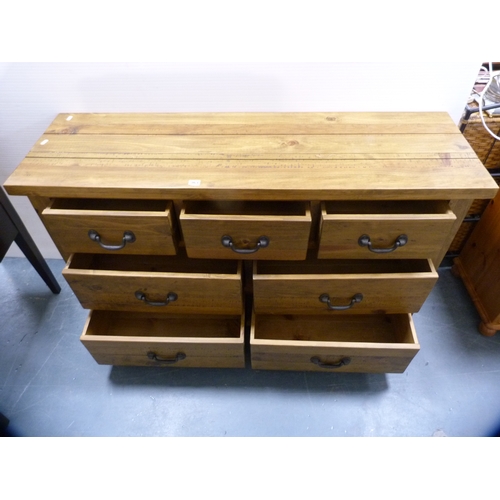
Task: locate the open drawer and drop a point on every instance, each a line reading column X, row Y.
column 119, row 338
column 246, row 229
column 384, row 229
column 355, row 343
column 337, row 286
column 111, row 226
column 153, row 283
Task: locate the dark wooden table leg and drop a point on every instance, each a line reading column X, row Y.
column 27, row 245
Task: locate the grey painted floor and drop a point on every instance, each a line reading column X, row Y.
column 51, row 386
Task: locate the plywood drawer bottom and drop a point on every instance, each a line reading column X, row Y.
column 357, row 343
column 120, row 338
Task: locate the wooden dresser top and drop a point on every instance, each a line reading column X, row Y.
column 299, row 156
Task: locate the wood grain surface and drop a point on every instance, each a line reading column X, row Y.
column 300, row 156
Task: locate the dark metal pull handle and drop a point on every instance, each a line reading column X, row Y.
column 178, row 357
column 317, row 361
column 325, row 298
column 171, row 297
column 364, row 241
column 128, row 237
column 262, row 242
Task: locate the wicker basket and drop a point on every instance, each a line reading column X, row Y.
column 466, row 228
column 484, row 145
column 488, row 151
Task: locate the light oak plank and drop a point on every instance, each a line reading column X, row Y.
column 252, row 146
column 253, row 123
column 442, row 178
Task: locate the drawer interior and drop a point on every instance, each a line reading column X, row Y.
column 386, row 207
column 255, row 208
column 151, row 263
column 113, row 324
column 343, row 266
column 374, row 329
column 118, row 205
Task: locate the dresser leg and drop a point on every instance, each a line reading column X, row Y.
column 486, row 331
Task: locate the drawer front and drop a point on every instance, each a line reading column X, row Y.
column 157, row 284
column 355, row 343
column 401, row 233
column 332, row 287
column 116, row 226
column 266, row 230
column 128, row 339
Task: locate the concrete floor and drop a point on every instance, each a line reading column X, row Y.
column 51, row 386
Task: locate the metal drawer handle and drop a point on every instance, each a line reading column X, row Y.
column 128, row 237
column 262, row 242
column 364, row 241
column 317, row 361
column 171, row 297
column 178, row 357
column 325, row 298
